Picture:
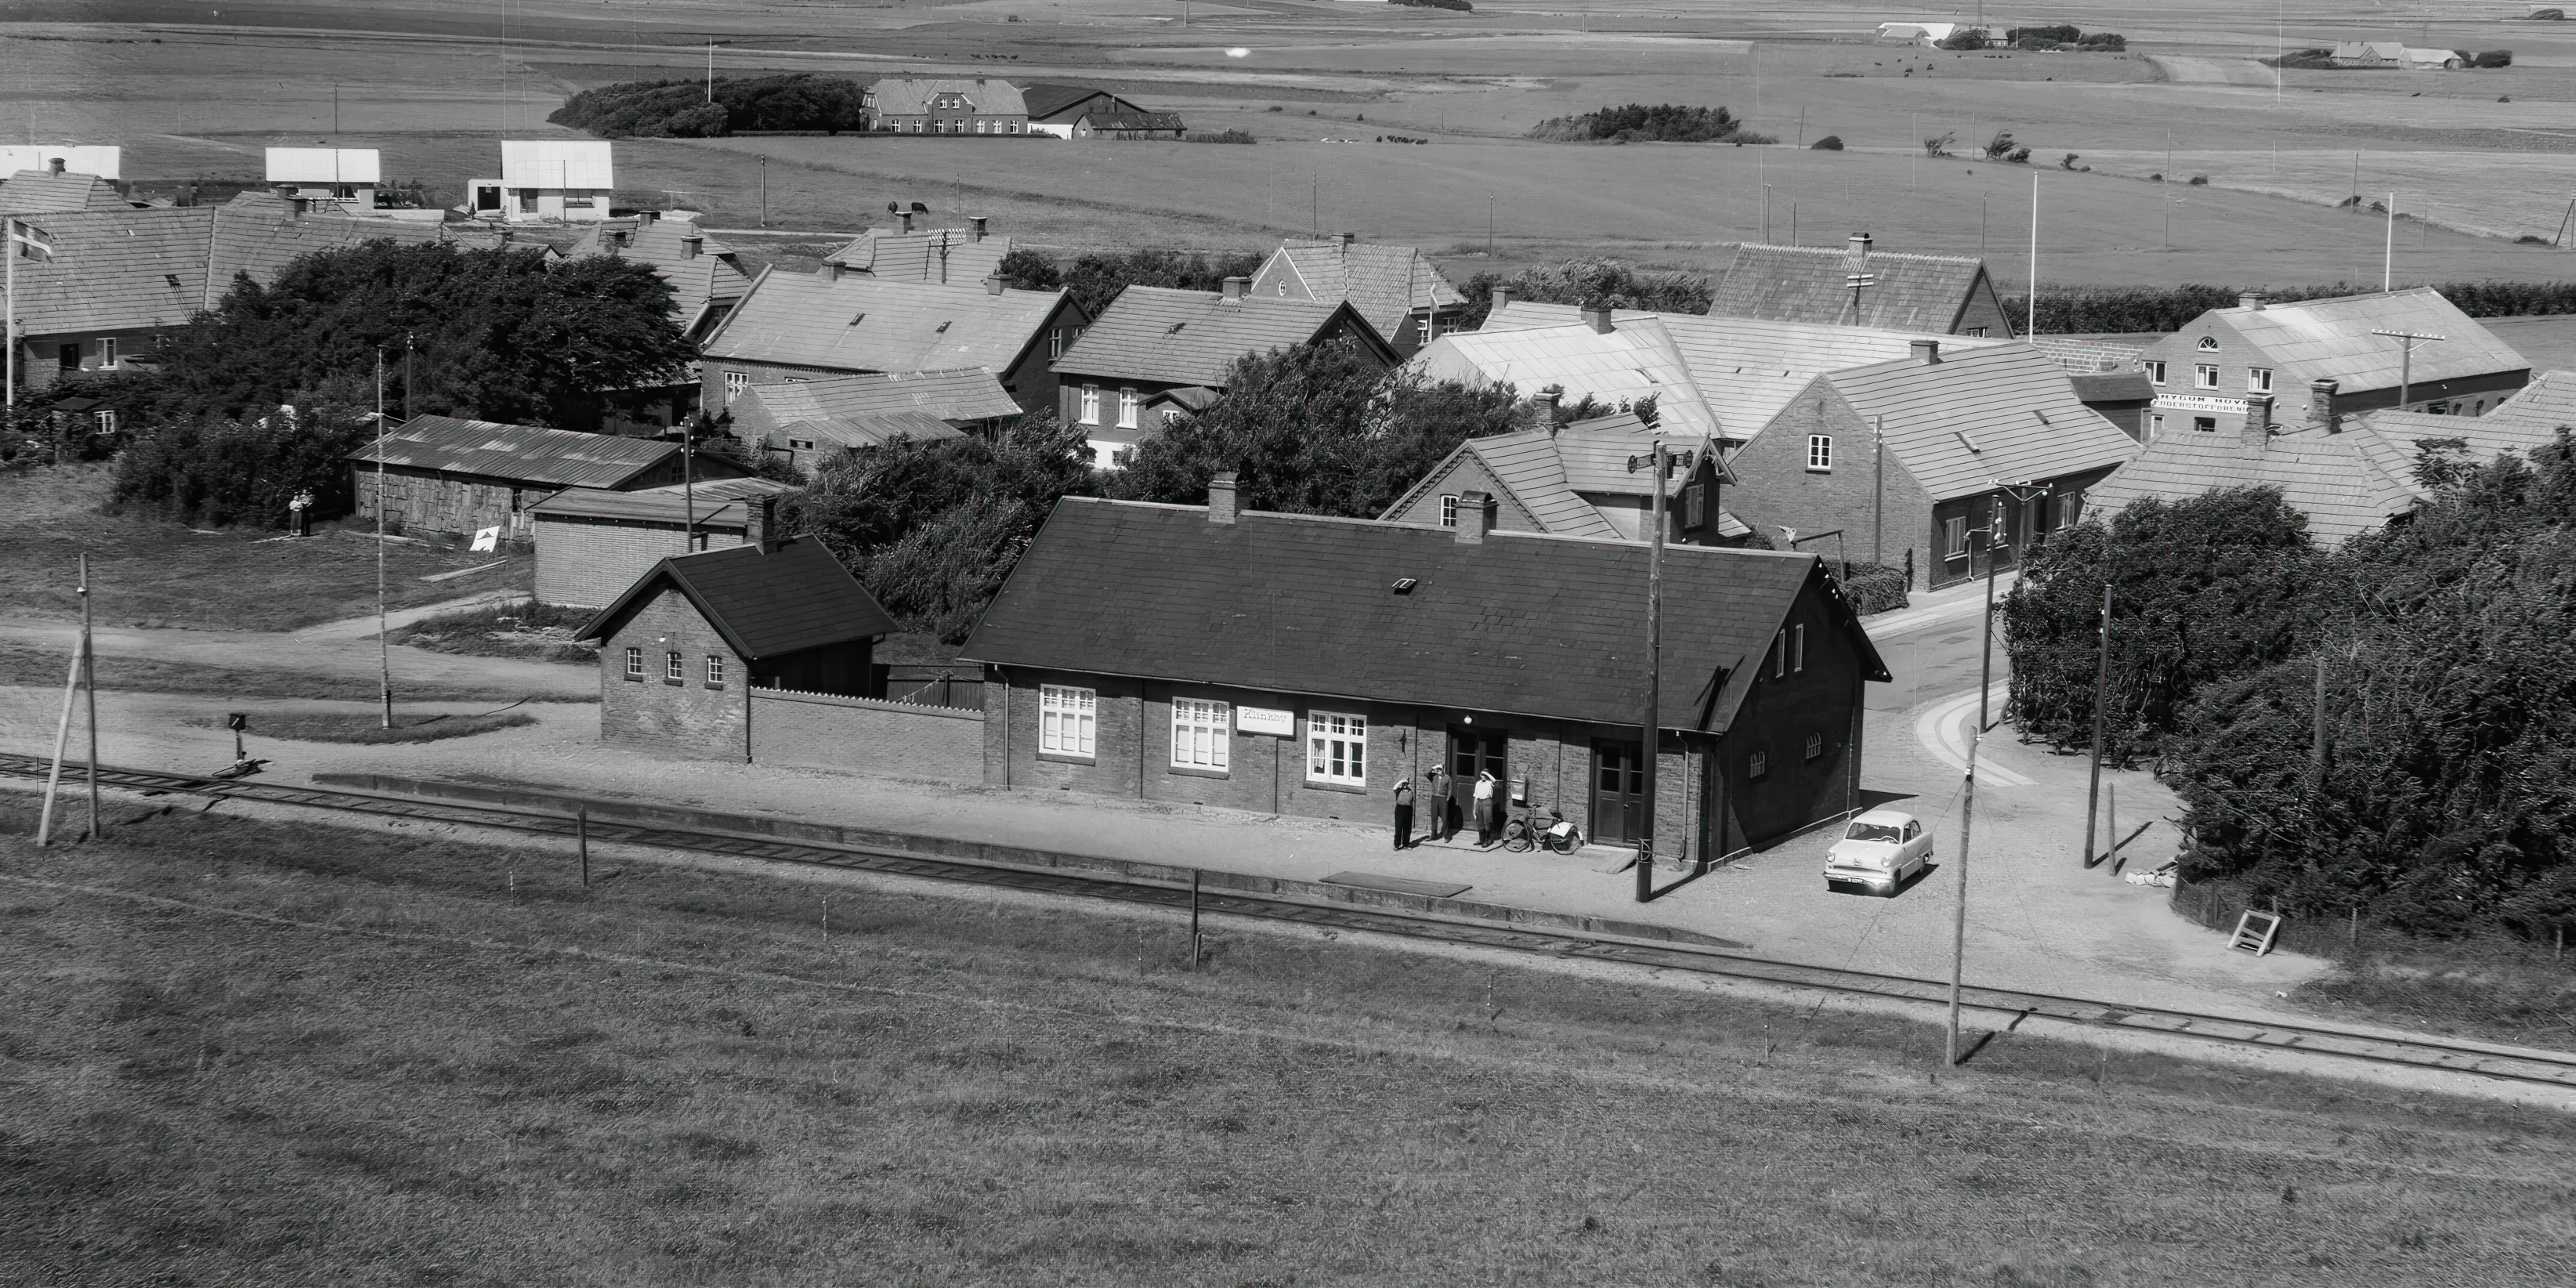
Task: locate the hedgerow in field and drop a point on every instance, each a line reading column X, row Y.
column 693, row 109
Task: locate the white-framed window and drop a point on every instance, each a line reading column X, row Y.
column 107, row 421
column 1798, row 648
column 634, row 663
column 736, row 382
column 2205, row 424
column 1954, row 536
column 2208, row 344
column 1779, row 654
column 1337, row 748
column 107, row 351
column 673, row 668
column 1055, row 342
column 1421, row 328
column 2204, row 376
column 577, row 203
column 1172, row 416
column 2258, row 380
column 1089, row 403
column 1820, row 453
column 2155, row 371
column 2156, row 425
column 1757, row 765
column 800, row 444
column 715, row 670
column 1128, row 404
column 1449, row 511
column 1815, row 745
column 1202, row 731
column 1977, row 331
column 1068, row 720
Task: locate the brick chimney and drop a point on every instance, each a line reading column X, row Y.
column 692, row 243
column 1475, row 518
column 993, row 285
column 1235, row 287
column 1927, row 352
column 760, row 522
column 1502, row 297
column 2250, row 302
column 1345, row 239
column 1546, row 399
column 906, row 217
column 1221, row 498
column 831, row 270
column 55, row 165
column 2258, row 421
column 1598, row 320
column 2321, row 408
column 975, row 226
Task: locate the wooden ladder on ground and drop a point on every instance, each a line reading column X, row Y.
column 2255, row 932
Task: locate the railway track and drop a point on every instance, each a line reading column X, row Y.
column 2506, row 1064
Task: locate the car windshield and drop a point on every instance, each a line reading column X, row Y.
column 1887, row 832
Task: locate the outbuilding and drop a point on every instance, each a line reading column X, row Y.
column 1302, row 665
column 443, row 474
column 592, row 543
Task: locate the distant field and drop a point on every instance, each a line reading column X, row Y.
column 299, row 1054
column 2495, row 194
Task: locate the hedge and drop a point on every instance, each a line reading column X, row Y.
column 2132, row 309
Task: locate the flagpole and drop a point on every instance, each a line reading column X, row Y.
column 384, row 647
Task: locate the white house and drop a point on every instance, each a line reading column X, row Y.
column 546, row 179
column 346, row 177
column 103, row 160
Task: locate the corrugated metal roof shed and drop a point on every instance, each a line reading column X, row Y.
column 765, row 603
column 1194, row 337
column 2331, row 339
column 323, row 165
column 1387, row 284
column 2003, row 413
column 113, row 270
column 530, row 454
column 1810, row 284
column 719, row 502
column 557, row 163
column 1524, row 623
column 1636, row 359
column 862, row 323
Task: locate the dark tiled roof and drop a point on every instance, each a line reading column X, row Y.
column 113, row 270
column 941, row 256
column 1193, row 337
column 522, row 453
column 42, row 191
column 1960, row 424
column 260, row 235
column 698, row 281
column 2336, row 480
column 1044, row 101
column 1521, row 623
column 1809, row 284
column 1387, row 284
column 765, row 603
column 2112, row 386
column 1133, row 120
column 863, row 323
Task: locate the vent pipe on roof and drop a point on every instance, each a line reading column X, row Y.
column 993, row 285
column 2258, row 421
column 1502, row 297
column 1599, row 320
column 649, row 216
column 1927, row 352
column 55, row 165
column 2250, row 303
column 1475, row 517
column 1235, row 287
column 975, row 226
column 906, row 217
column 1221, row 498
column 2321, row 406
column 301, row 204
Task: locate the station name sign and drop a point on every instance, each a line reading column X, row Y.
column 2195, row 402
column 1267, row 720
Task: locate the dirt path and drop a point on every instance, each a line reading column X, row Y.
column 335, row 649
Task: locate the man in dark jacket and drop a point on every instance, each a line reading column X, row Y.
column 1404, row 813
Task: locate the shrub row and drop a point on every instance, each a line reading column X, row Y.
column 683, row 109
column 2130, row 309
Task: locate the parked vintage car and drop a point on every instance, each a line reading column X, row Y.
column 1879, row 852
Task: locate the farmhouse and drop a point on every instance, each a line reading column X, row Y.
column 1081, row 112
column 443, row 474
column 1595, row 358
column 1932, row 294
column 2374, row 54
column 1906, row 457
column 592, row 543
column 1749, row 367
column 52, row 191
column 546, row 179
column 344, row 177
column 947, row 105
column 2335, row 353
column 1299, row 665
column 706, row 277
column 1572, row 480
column 1156, row 355
column 942, row 256
column 683, row 649
column 1399, row 291
column 804, row 326
column 104, row 286
column 812, row 421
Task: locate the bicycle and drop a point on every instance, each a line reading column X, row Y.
column 1524, row 834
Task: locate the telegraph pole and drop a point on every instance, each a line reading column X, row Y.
column 1878, row 489
column 89, row 687
column 2101, row 689
column 1653, row 722
column 384, row 648
column 2406, row 359
column 1968, row 790
column 689, row 485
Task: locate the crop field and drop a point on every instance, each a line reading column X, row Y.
column 251, row 1052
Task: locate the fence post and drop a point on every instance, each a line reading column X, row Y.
column 1194, row 919
column 581, row 837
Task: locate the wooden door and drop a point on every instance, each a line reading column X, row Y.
column 1475, row 749
column 1618, row 791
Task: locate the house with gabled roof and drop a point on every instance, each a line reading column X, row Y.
column 1596, row 358
column 1081, row 112
column 1936, row 294
column 47, row 191
column 688, row 649
column 794, row 326
column 257, row 234
column 2328, row 358
column 1396, row 288
column 1572, row 480
column 1745, row 369
column 813, row 421
column 1154, row 353
column 448, row 474
column 947, row 105
column 943, row 256
column 341, row 176
column 1906, row 458
column 101, row 287
column 1303, row 665
column 706, row 277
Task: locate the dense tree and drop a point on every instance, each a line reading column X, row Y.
column 241, row 470
column 1639, row 123
column 681, row 108
column 496, row 334
column 1315, row 429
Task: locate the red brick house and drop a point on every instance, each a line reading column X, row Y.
column 1302, row 665
column 804, row 326
column 1397, row 288
column 1165, row 348
column 682, row 650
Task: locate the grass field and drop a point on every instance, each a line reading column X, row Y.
column 22, row 664
column 152, row 572
column 526, row 629
column 248, row 1052
column 369, row 728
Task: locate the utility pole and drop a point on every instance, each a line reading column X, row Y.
column 2406, row 360
column 89, row 686
column 1489, row 225
column 2166, row 197
column 1766, row 214
column 1314, row 204
column 1652, row 752
column 2030, row 306
column 711, row 71
column 2101, row 689
column 1968, row 790
column 764, row 192
column 2388, row 252
column 384, row 649
column 689, row 485
column 1878, row 490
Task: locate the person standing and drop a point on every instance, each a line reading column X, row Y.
column 1404, row 813
column 1437, row 791
column 302, row 512
column 1485, row 807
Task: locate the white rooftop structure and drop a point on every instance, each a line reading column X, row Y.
column 323, row 165
column 103, row 160
column 556, row 163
